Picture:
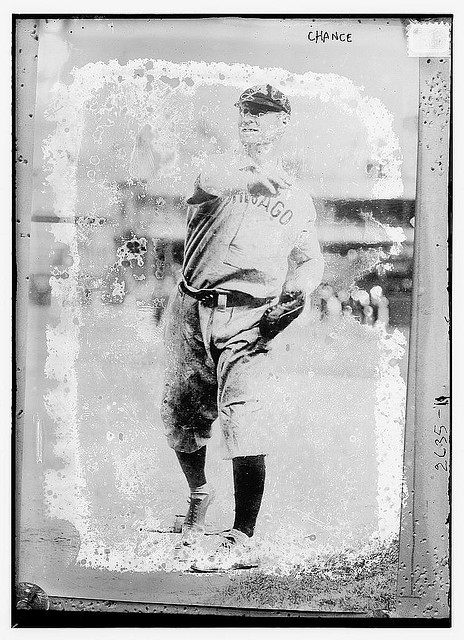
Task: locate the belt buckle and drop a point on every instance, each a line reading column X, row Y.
column 222, row 301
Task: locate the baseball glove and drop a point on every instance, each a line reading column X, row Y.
column 280, row 315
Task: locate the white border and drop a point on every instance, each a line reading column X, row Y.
column 237, row 6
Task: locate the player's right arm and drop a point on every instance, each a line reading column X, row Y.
column 223, row 175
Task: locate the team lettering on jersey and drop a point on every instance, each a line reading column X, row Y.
column 276, row 209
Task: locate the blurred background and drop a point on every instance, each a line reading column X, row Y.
column 338, row 388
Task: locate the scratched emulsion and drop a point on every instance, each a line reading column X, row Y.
column 65, row 488
column 389, row 421
column 336, row 398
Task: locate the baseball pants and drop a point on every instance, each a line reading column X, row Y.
column 216, row 367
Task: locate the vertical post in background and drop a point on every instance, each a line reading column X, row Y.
column 423, row 576
column 26, row 47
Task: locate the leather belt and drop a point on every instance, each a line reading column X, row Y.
column 223, row 299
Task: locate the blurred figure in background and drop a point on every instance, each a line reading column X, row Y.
column 324, row 292
column 366, row 307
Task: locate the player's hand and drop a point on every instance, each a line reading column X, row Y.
column 280, row 315
column 271, row 182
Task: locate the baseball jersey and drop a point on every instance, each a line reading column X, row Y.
column 245, row 241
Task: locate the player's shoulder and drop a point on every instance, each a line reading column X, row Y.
column 303, row 198
column 301, row 187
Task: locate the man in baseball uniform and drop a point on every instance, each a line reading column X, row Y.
column 251, row 258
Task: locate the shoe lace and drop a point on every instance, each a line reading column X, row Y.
column 192, row 513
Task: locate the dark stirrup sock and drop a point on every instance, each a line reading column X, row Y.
column 193, row 466
column 249, row 478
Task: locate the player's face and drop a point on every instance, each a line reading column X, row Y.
column 257, row 126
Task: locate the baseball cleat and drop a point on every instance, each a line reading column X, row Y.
column 185, row 552
column 194, row 522
column 235, row 551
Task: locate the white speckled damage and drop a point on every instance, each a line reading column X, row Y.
column 344, row 398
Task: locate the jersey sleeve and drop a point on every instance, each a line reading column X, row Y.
column 307, row 245
column 202, row 192
column 200, row 195
column 221, row 174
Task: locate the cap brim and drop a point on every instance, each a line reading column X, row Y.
column 264, row 102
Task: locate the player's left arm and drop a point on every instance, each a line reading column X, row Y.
column 304, row 274
column 305, row 263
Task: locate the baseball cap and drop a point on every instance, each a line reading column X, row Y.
column 267, row 96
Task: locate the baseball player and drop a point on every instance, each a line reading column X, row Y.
column 251, row 258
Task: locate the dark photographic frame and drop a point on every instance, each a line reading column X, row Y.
column 423, row 572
